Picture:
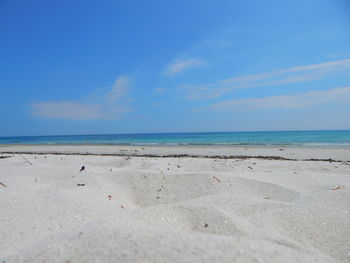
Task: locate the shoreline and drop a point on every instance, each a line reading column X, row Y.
column 262, row 145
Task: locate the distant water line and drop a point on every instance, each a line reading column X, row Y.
column 337, row 138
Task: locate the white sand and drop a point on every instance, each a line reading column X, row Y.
column 142, row 209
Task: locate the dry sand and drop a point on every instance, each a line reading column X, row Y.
column 151, row 209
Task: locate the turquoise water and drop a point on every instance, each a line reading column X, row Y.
column 316, row 138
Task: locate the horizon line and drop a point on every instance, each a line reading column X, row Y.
column 189, row 132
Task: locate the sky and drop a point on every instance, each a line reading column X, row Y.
column 110, row 66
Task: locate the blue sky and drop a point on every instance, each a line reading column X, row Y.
column 87, row 67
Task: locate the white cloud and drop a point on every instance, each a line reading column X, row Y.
column 113, row 104
column 286, row 101
column 181, row 65
column 277, row 77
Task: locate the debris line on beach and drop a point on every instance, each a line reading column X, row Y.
column 237, row 157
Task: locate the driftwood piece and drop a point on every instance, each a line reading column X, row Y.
column 216, row 178
column 26, row 160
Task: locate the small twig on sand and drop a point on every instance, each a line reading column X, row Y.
column 3, row 184
column 26, row 160
column 250, row 168
column 80, row 184
column 336, row 188
column 216, row 178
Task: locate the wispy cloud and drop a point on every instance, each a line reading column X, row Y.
column 120, row 89
column 277, row 77
column 67, row 110
column 160, row 90
column 113, row 104
column 301, row 100
column 180, row 65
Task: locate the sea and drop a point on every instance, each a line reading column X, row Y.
column 336, row 138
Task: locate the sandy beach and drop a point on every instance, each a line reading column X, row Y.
column 174, row 204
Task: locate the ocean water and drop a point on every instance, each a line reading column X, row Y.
column 315, row 138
